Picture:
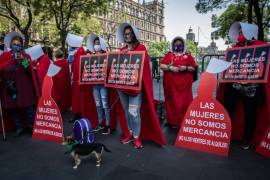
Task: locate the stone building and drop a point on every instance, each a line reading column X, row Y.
column 148, row 17
column 190, row 35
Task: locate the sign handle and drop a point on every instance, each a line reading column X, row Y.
column 2, row 122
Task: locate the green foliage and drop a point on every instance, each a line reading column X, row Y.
column 191, row 47
column 19, row 13
column 232, row 14
column 86, row 25
column 158, row 49
column 51, row 20
column 237, row 10
column 4, row 25
column 66, row 12
column 205, row 6
column 118, row 18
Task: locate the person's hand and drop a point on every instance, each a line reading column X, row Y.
column 182, row 68
column 18, row 55
column 174, row 69
column 125, row 51
column 190, row 68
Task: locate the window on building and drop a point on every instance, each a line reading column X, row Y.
column 121, row 6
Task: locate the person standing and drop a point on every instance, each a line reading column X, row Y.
column 97, row 45
column 19, row 91
column 178, row 67
column 246, row 103
column 141, row 119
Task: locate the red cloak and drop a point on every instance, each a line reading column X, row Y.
column 82, row 98
column 75, row 87
column 263, row 111
column 150, row 127
column 5, row 60
column 62, row 85
column 42, row 64
column 177, row 87
column 89, row 107
column 89, row 110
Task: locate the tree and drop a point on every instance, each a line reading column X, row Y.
column 65, row 12
column 193, row 49
column 20, row 13
column 85, row 25
column 158, row 49
column 239, row 10
column 4, row 26
column 234, row 12
column 117, row 18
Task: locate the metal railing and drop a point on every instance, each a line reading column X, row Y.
column 208, row 57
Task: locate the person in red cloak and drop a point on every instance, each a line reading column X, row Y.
column 75, row 86
column 178, row 67
column 89, row 109
column 41, row 66
column 81, row 102
column 246, row 103
column 41, row 63
column 62, row 82
column 97, row 45
column 19, row 92
column 75, row 52
column 141, row 119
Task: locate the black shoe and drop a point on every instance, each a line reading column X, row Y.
column 98, row 128
column 18, row 133
column 167, row 125
column 106, row 130
column 246, row 145
column 29, row 130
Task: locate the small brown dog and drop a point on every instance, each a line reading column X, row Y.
column 77, row 150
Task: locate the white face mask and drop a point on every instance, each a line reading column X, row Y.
column 97, row 48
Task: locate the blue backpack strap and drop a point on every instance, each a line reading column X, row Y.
column 82, row 131
column 88, row 136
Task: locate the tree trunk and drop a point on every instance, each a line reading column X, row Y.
column 63, row 35
column 259, row 20
column 26, row 40
column 250, row 5
column 26, row 35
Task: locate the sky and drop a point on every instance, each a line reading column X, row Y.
column 181, row 14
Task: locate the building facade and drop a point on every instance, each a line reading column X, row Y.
column 190, row 35
column 148, row 17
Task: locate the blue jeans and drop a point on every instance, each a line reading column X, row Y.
column 132, row 107
column 101, row 96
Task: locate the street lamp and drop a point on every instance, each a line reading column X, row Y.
column 196, row 51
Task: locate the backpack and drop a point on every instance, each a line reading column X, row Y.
column 83, row 131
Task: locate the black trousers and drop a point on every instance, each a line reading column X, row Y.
column 15, row 114
column 232, row 97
